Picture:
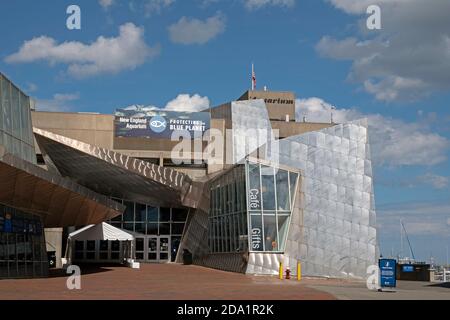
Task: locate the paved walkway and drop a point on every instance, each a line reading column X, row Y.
column 406, row 290
column 156, row 281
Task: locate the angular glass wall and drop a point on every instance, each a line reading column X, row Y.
column 16, row 133
column 271, row 195
column 22, row 246
column 148, row 220
column 228, row 215
column 250, row 209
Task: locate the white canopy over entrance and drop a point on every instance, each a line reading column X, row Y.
column 102, row 231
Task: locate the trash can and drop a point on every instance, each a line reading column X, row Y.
column 187, row 257
column 51, row 255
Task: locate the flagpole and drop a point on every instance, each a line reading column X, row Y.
column 252, row 77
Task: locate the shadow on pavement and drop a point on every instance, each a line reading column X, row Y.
column 440, row 285
column 85, row 269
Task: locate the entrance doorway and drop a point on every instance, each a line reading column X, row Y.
column 154, row 249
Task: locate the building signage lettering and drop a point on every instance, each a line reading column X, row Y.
column 254, row 199
column 256, row 238
column 159, row 124
column 277, row 101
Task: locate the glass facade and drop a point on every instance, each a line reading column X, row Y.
column 228, row 214
column 165, row 226
column 148, row 220
column 250, row 209
column 271, row 195
column 22, row 245
column 16, row 133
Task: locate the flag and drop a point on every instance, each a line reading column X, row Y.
column 253, row 78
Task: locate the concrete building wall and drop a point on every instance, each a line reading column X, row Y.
column 280, row 105
column 98, row 130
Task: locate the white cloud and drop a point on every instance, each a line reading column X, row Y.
column 436, row 181
column 407, row 59
column 194, row 31
column 106, row 3
column 104, row 56
column 360, row 6
column 427, row 180
column 257, row 4
column 183, row 102
column 418, row 218
column 31, row 87
column 156, row 6
column 393, row 142
column 60, row 102
column 206, row 3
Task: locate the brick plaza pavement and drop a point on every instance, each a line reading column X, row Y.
column 160, row 282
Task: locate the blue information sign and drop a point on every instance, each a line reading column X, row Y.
column 388, row 272
column 408, row 268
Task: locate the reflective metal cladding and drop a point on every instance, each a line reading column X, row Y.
column 334, row 231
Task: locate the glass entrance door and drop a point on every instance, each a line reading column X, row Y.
column 152, row 249
column 164, row 249
column 140, row 249
column 156, row 249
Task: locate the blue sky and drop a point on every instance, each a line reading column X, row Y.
column 198, row 53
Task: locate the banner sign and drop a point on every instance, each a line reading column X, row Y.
column 408, row 268
column 159, row 124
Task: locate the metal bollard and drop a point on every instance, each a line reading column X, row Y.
column 299, row 271
column 281, row 271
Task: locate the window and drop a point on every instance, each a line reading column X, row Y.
column 129, row 211
column 90, row 245
column 141, row 212
column 179, row 215
column 226, row 213
column 282, row 184
column 268, row 232
column 256, row 233
column 139, row 228
column 104, row 244
column 268, row 188
column 152, row 214
column 164, row 214
column 90, row 250
column 40, row 159
column 115, row 250
column 177, row 228
column 152, row 228
column 164, row 228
